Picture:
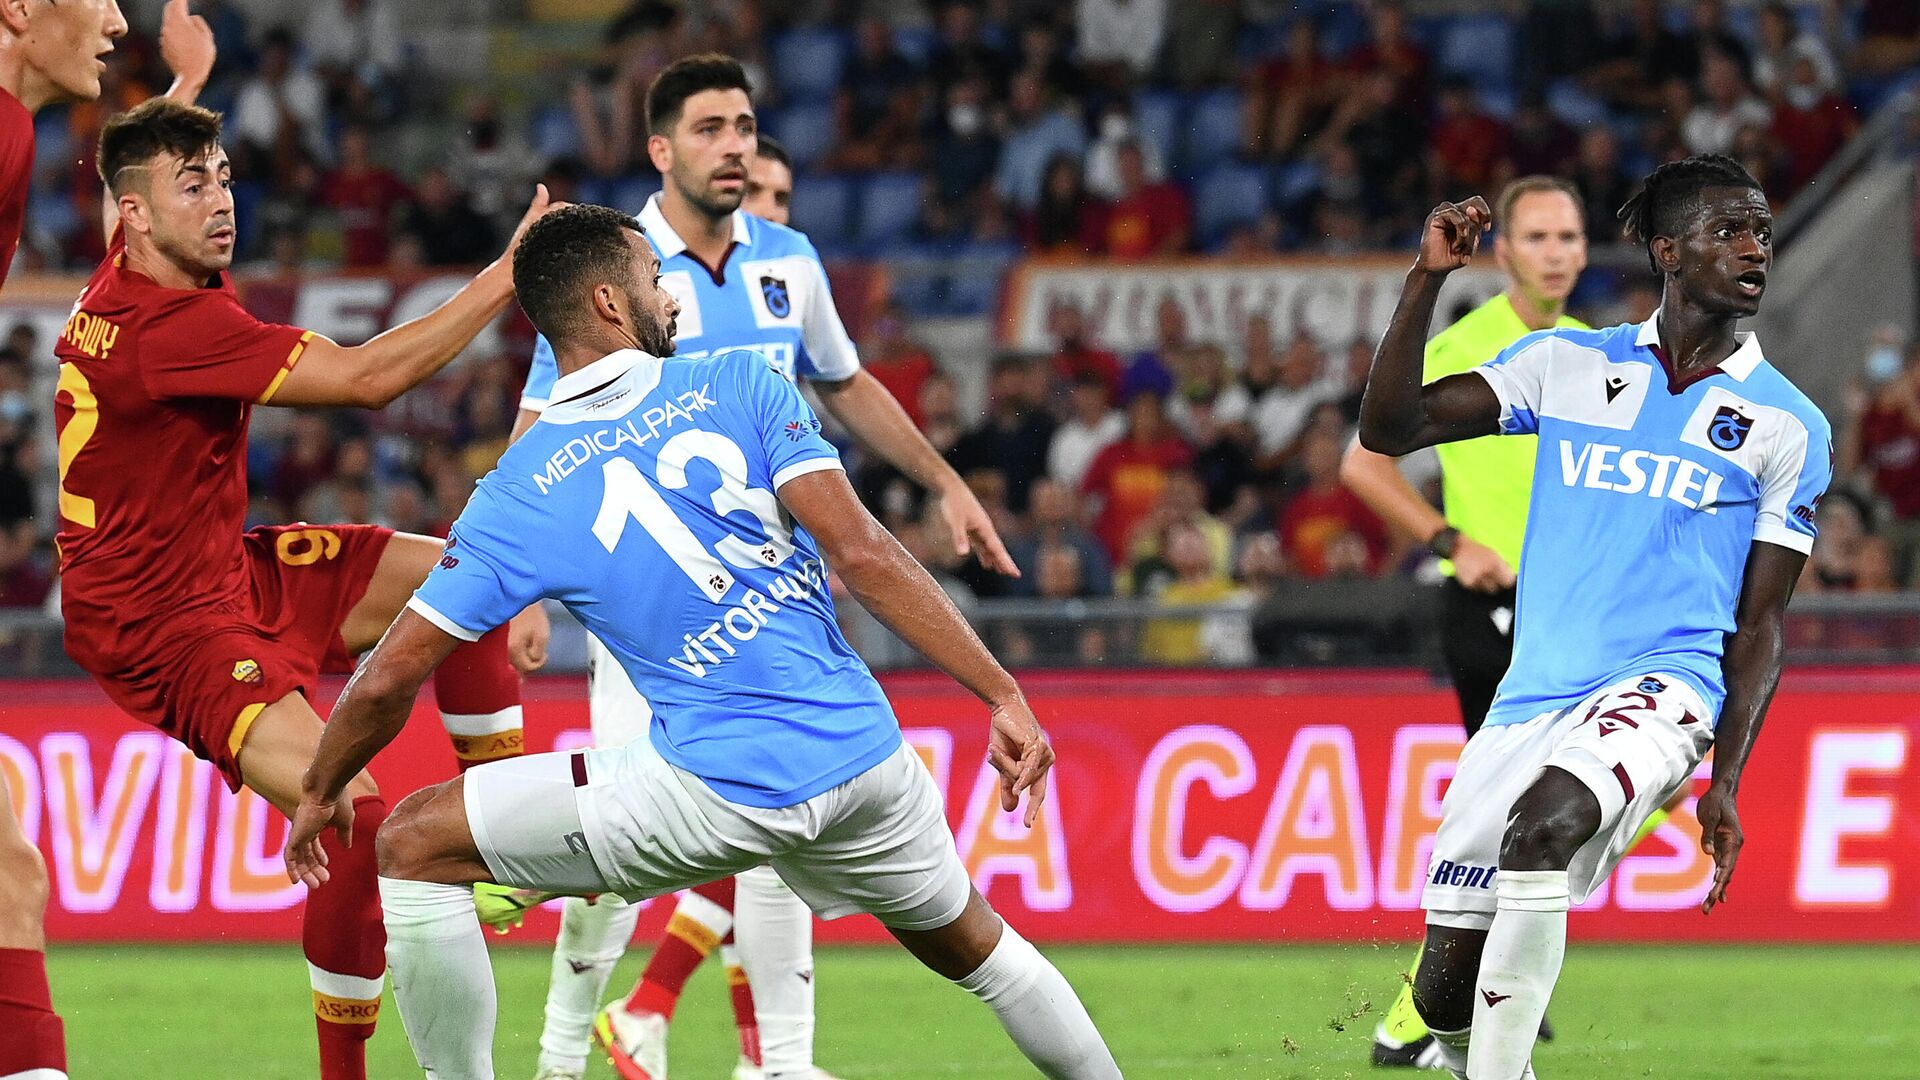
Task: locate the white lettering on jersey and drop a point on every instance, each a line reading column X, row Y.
column 710, row 647
column 780, row 352
column 1641, row 472
column 607, row 440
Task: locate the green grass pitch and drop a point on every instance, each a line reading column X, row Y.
column 1698, row 1013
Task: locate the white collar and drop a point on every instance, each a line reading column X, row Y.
column 668, row 242
column 1745, row 359
column 568, row 404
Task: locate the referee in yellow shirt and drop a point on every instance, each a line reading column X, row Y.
column 1486, row 484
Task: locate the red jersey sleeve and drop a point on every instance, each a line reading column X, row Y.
column 202, row 343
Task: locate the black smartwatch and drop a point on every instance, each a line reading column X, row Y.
column 1443, row 542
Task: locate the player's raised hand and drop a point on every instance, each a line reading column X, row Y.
column 306, row 858
column 186, row 44
column 1720, row 837
column 1018, row 750
column 973, row 531
column 1452, row 235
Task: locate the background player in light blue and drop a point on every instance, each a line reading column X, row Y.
column 741, row 282
column 1674, row 499
column 681, row 509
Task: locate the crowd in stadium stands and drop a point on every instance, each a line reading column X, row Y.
column 1195, row 472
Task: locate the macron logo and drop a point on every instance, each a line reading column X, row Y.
column 1638, row 472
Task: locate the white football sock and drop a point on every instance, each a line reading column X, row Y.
column 773, row 930
column 1040, row 1011
column 592, row 939
column 1521, row 963
column 441, row 977
column 1453, row 1050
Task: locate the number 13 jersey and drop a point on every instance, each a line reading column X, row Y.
column 644, row 500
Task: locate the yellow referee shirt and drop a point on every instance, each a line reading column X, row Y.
column 1486, row 483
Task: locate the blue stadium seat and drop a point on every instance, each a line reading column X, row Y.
column 1229, row 195
column 1479, row 49
column 1213, row 130
column 554, row 133
column 916, row 43
column 629, row 193
column 823, row 208
column 807, row 62
column 806, row 129
column 889, row 207
column 1156, row 119
column 1575, row 105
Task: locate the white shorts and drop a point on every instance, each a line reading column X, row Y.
column 626, row 821
column 1634, row 744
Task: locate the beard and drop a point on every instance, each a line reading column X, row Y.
column 653, row 334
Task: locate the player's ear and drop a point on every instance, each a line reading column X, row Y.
column 660, row 152
column 133, row 212
column 1666, row 253
column 13, row 14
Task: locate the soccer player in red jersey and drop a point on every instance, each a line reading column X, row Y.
column 50, row 52
column 214, row 635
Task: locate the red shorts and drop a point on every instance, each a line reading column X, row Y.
column 204, row 676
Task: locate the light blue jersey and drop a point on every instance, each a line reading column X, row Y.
column 769, row 294
column 1647, row 497
column 644, row 500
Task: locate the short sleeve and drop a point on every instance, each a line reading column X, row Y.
column 789, row 432
column 826, row 350
column 203, row 344
column 486, row 576
column 1796, row 475
column 1519, row 377
column 541, row 376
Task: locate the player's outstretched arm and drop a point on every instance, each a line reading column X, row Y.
column 864, row 406
column 900, row 593
column 390, row 364
column 370, row 712
column 1751, row 666
column 1397, row 414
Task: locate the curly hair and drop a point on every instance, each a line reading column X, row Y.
column 1654, row 209
column 563, row 253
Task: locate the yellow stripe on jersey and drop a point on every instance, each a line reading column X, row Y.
column 286, row 369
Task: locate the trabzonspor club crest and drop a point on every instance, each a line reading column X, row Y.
column 779, row 303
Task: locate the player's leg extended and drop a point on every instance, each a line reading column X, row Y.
column 341, row 932
column 1035, row 1004
column 477, row 689
column 32, row 1042
column 1555, row 817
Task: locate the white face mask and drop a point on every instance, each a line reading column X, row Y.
column 14, row 407
column 1114, row 127
column 1803, row 96
column 966, row 120
column 1883, row 363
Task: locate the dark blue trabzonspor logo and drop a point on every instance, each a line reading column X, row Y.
column 779, row 303
column 1728, row 429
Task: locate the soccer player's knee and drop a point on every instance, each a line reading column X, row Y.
column 403, row 847
column 23, row 882
column 1542, row 841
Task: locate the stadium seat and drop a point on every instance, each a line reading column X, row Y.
column 807, row 62
column 1213, row 130
column 1479, row 49
column 916, row 43
column 1575, row 105
column 889, row 207
column 823, row 208
column 554, row 133
column 1230, row 195
column 806, row 129
column 1156, row 119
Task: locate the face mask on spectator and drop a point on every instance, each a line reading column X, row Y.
column 1883, row 363
column 14, row 407
column 1802, row 96
column 966, row 119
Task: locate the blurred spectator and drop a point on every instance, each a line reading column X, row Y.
column 1151, row 370
column 877, row 111
column 26, row 574
column 1889, row 36
column 1727, row 107
column 961, row 50
column 1640, row 56
column 308, row 459
column 1012, row 439
column 1379, row 127
column 1882, row 437
column 1076, row 353
column 493, row 163
column 355, row 41
column 610, row 111
column 1389, row 51
column 1065, row 221
column 1199, row 377
column 1603, row 182
column 1119, row 40
column 1810, row 122
column 1057, row 522
column 1043, row 52
column 1116, row 129
column 966, row 147
column 1200, row 42
column 1709, row 35
column 1290, row 97
column 1091, row 426
column 1147, row 218
column 1038, row 128
column 1314, row 520
column 1538, row 141
column 367, row 198
column 1124, row 480
column 1848, row 556
column 450, row 230
column 1279, row 416
column 16, row 399
column 1223, row 461
column 1182, row 501
column 283, row 108
column 1196, row 581
column 1466, row 143
column 897, row 361
column 1781, row 43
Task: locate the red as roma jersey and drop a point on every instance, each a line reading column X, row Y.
column 16, row 174
column 156, row 387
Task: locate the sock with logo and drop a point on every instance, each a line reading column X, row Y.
column 479, row 696
column 1521, row 962
column 1039, row 1011
column 345, row 946
column 593, row 937
column 740, row 991
column 442, row 979
column 1402, row 1024
column 703, row 916
column 32, row 1041
column 774, row 931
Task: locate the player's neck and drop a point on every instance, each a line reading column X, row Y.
column 144, row 258
column 706, row 237
column 1540, row 314
column 1694, row 340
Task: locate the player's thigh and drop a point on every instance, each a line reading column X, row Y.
column 885, row 851
column 429, row 837
column 23, row 882
column 524, row 821
column 957, row 949
column 277, row 747
column 403, row 565
column 1496, row 767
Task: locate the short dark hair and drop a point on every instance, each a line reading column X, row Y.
column 560, row 254
column 156, row 126
column 686, row 77
column 774, row 150
column 1653, row 210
